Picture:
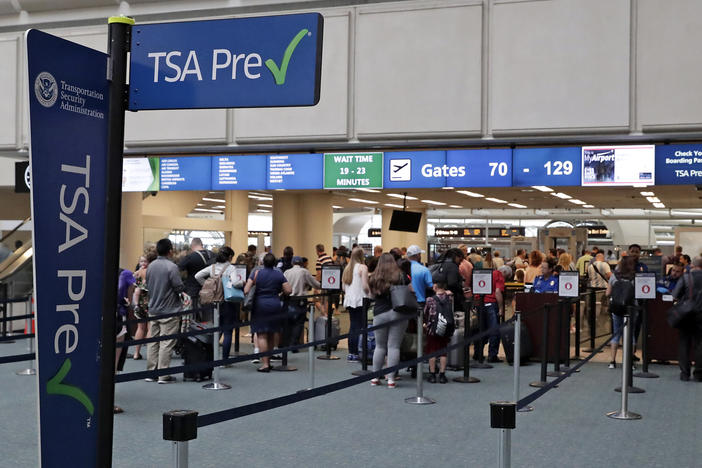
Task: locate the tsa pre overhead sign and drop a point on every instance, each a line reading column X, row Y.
column 270, row 61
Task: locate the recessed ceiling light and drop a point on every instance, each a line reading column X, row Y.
column 542, row 188
column 516, row 205
column 496, row 200
column 397, row 195
column 216, row 200
column 337, row 207
column 561, row 195
column 369, row 190
column 222, row 206
column 263, row 211
column 207, row 210
column 258, row 197
column 575, row 201
column 470, row 194
column 455, row 206
column 648, row 194
column 588, row 206
column 432, row 202
column 265, row 206
column 653, row 199
column 363, row 200
column 659, row 205
column 447, row 188
column 280, row 190
column 392, row 205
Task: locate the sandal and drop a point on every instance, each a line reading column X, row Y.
column 264, row 369
column 137, row 357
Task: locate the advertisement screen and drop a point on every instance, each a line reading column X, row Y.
column 140, row 175
column 619, row 165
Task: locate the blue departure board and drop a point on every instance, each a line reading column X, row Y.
column 295, row 171
column 415, row 169
column 239, row 172
column 185, row 173
column 678, row 164
column 546, row 166
column 479, row 168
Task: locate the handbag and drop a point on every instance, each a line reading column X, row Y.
column 249, row 299
column 231, row 294
column 685, row 308
column 403, row 299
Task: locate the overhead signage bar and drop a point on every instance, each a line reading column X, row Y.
column 678, row 164
column 552, row 167
column 353, row 170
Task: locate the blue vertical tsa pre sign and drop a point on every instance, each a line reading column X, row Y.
column 268, row 61
column 68, row 107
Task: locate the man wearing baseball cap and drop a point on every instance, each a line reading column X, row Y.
column 421, row 276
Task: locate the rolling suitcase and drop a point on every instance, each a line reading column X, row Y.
column 370, row 345
column 320, row 331
column 507, row 339
column 456, row 355
column 195, row 352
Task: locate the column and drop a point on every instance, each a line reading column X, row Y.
column 236, row 214
column 286, row 222
column 400, row 239
column 302, row 221
column 131, row 241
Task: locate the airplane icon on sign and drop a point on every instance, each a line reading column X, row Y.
column 400, row 170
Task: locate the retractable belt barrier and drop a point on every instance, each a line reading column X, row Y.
column 12, row 300
column 17, row 358
column 16, row 317
column 16, row 337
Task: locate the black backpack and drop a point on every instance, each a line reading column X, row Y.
column 622, row 295
column 442, row 322
column 438, row 272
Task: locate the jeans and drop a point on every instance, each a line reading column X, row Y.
column 488, row 319
column 294, row 325
column 227, row 315
column 356, row 318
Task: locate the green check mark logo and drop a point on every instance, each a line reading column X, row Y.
column 280, row 73
column 55, row 386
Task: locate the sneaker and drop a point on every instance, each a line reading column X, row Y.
column 276, row 357
column 166, row 379
column 349, row 357
column 432, row 377
column 442, row 378
column 256, row 361
column 391, row 383
column 612, row 365
column 150, row 379
column 374, row 382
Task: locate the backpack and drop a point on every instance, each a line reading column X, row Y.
column 212, row 290
column 622, row 295
column 441, row 320
column 438, row 273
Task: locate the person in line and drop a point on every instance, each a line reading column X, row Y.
column 140, row 299
column 536, row 258
column 223, row 269
column 583, row 262
column 624, row 272
column 497, row 261
column 125, row 289
column 196, row 260
column 686, row 262
column 565, row 261
column 434, row 342
column 251, row 259
column 547, row 282
column 446, row 271
column 265, row 316
column 164, row 285
column 599, row 272
column 301, row 281
column 387, row 339
column 466, row 271
column 520, row 260
column 421, row 276
column 492, row 308
column 691, row 328
column 356, row 288
column 285, row 262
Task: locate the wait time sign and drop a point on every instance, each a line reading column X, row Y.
column 353, row 170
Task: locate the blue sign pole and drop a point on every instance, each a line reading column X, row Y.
column 68, row 96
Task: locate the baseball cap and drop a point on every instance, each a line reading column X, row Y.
column 413, row 250
column 297, row 260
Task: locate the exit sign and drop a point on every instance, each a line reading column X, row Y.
column 353, row 170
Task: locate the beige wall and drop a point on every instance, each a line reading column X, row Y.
column 302, row 220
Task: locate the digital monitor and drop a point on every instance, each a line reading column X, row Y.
column 679, row 164
column 618, row 165
column 239, row 172
column 295, row 171
column 407, row 221
column 186, row 173
column 140, row 175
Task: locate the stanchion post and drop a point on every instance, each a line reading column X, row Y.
column 310, row 349
column 544, row 348
column 592, row 319
column 631, row 310
column 328, row 355
column 577, row 330
column 557, row 372
column 364, row 338
column 517, row 362
column 466, row 377
column 30, row 342
column 179, row 427
column 624, row 412
column 503, row 416
column 237, row 329
column 216, row 385
column 645, row 374
column 419, row 399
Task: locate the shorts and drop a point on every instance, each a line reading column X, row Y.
column 435, row 343
column 618, row 329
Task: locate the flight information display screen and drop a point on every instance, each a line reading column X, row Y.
column 295, row 171
column 185, row 173
column 239, row 172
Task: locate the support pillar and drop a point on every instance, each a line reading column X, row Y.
column 131, row 245
column 236, row 214
column 302, row 221
column 392, row 239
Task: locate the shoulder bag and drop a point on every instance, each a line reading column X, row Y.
column 685, row 308
column 249, row 299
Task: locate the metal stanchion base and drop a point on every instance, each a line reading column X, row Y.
column 479, row 365
column 415, row 400
column 324, row 357
column 555, row 373
column 646, row 375
column 539, row 384
column 216, row 386
column 304, row 390
column 632, row 389
column 623, row 415
column 525, row 409
column 567, row 369
column 284, row 368
column 360, row 372
column 590, row 350
column 469, row 379
column 27, row 372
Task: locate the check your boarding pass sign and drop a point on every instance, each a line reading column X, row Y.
column 268, row 61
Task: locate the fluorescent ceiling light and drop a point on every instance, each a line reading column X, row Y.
column 222, row 206
column 369, row 190
column 397, row 195
column 648, row 194
column 496, row 200
column 280, row 190
column 659, row 205
column 263, row 211
column 455, row 206
column 588, row 206
column 392, row 205
column 336, row 207
column 542, row 188
column 216, row 200
column 575, row 201
column 207, row 210
column 200, row 204
column 653, row 199
column 470, row 194
column 447, row 188
column 265, row 205
column 363, row 200
column 561, row 195
column 432, row 202
column 516, row 205
column 258, row 197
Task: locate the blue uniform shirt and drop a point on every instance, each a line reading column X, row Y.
column 421, row 280
column 549, row 285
